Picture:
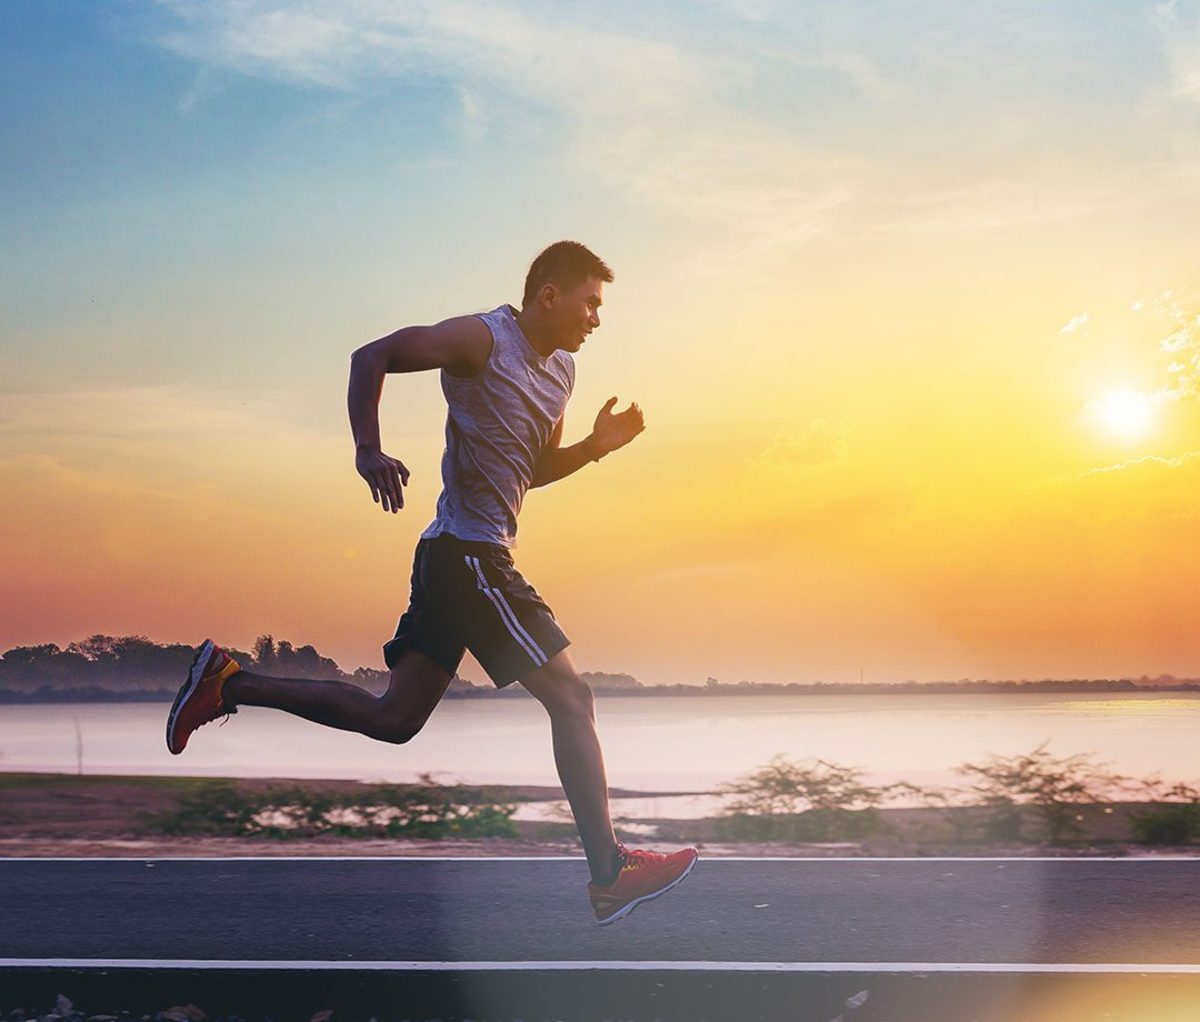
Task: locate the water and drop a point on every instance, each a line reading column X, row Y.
column 651, row 743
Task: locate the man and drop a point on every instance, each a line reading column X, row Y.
column 506, row 375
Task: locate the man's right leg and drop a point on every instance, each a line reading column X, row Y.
column 216, row 686
column 417, row 685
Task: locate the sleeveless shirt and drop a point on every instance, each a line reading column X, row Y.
column 497, row 425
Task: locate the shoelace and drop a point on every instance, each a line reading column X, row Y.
column 224, row 720
column 228, row 710
column 634, row 858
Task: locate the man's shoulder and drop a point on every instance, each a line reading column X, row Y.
column 566, row 361
column 503, row 313
column 501, row 322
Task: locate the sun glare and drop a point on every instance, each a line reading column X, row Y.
column 1128, row 413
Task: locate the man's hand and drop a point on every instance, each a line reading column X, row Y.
column 386, row 476
column 613, row 431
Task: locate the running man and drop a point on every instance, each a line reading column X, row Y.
column 506, row 376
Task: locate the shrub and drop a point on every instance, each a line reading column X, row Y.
column 1177, row 824
column 814, row 825
column 209, row 807
column 1056, row 786
column 1175, row 820
column 425, row 810
column 809, row 801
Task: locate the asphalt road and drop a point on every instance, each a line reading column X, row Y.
column 1071, row 910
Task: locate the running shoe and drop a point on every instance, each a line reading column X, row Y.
column 200, row 698
column 644, row 875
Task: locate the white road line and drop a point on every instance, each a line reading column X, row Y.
column 705, row 859
column 594, row 966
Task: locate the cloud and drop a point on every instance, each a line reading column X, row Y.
column 1179, row 28
column 1150, row 489
column 1120, row 466
column 1075, row 323
column 133, row 413
column 755, row 11
column 859, row 69
column 1040, row 193
column 628, row 106
column 161, row 433
column 205, row 85
column 822, row 441
column 722, row 119
column 173, row 443
column 1182, row 311
column 474, row 122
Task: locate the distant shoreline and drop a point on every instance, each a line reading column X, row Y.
column 135, row 669
column 712, row 691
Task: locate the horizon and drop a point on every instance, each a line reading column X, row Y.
column 1142, row 681
column 905, row 296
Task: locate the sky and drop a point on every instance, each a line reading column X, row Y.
column 907, row 291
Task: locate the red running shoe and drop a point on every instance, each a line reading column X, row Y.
column 200, row 698
column 644, row 875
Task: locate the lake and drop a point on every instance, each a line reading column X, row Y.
column 651, row 743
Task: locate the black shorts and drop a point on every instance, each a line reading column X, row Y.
column 468, row 595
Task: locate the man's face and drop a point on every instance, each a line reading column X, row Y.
column 576, row 313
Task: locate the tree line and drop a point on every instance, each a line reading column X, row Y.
column 133, row 667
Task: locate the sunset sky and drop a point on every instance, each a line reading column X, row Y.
column 909, row 293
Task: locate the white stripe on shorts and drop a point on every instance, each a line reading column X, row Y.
column 508, row 615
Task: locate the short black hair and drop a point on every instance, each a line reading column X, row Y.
column 567, row 264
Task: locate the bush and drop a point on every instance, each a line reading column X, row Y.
column 1167, row 825
column 426, row 810
column 1058, row 787
column 811, row 801
column 211, row 807
column 814, row 825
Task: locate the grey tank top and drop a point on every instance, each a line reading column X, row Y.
column 497, row 424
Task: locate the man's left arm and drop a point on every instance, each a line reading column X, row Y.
column 609, row 433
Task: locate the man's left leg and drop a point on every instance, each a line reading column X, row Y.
column 622, row 878
column 571, row 706
column 514, row 636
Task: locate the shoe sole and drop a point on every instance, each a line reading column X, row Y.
column 195, row 673
column 622, row 913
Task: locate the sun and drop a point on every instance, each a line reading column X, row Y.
column 1127, row 413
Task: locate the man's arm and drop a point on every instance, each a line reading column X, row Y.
column 461, row 346
column 609, row 433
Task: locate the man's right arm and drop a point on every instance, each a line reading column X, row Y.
column 461, row 346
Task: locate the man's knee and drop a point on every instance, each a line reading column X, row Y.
column 395, row 730
column 562, row 691
column 397, row 735
column 417, row 685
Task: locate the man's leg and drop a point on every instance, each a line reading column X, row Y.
column 417, row 686
column 569, row 702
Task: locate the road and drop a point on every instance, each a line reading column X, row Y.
column 802, row 940
column 1059, row 911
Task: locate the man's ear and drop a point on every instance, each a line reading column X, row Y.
column 548, row 295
